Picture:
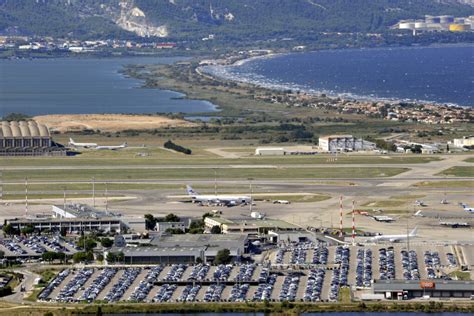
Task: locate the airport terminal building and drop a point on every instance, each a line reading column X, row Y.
column 27, row 138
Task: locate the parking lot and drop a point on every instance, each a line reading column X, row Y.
column 35, row 246
column 297, row 272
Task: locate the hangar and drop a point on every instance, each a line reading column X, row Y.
column 27, row 138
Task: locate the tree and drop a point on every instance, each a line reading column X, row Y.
column 28, row 229
column 216, row 229
column 174, row 231
column 9, row 230
column 80, row 257
column 150, row 222
column 222, row 257
column 106, row 242
column 172, row 218
column 87, row 243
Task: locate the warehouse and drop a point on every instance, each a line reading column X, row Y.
column 168, row 249
column 27, row 138
column 417, row 289
column 333, row 143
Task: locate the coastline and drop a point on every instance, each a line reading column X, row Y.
column 238, row 61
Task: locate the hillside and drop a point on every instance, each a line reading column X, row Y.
column 193, row 19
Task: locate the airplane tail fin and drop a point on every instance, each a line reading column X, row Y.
column 71, row 141
column 464, row 205
column 414, row 232
column 125, row 144
column 190, row 190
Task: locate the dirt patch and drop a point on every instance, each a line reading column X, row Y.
column 107, row 122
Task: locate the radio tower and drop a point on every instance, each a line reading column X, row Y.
column 341, row 233
column 353, row 224
column 26, row 197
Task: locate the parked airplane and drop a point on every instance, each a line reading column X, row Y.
column 227, row 200
column 81, row 145
column 394, row 238
column 467, row 208
column 124, row 145
column 386, row 219
column 72, row 143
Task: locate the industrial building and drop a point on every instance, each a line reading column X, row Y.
column 283, row 151
column 400, row 290
column 248, row 225
column 465, row 142
column 168, row 249
column 438, row 23
column 334, row 143
column 27, row 138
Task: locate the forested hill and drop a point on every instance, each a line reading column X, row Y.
column 191, row 19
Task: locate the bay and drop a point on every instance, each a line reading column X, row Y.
column 84, row 86
column 443, row 74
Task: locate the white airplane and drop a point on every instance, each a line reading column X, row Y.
column 124, row 145
column 394, row 238
column 467, row 208
column 81, row 145
column 227, row 200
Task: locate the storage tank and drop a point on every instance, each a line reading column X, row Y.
column 446, row 19
column 432, row 19
column 459, row 27
column 420, row 25
column 406, row 26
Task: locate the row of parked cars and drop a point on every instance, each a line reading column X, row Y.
column 144, row 287
column 199, row 272
column 189, row 293
column 387, row 264
column 165, row 293
column 364, row 268
column 214, row 293
column 222, row 272
column 289, row 288
column 175, row 273
column 239, row 292
column 410, row 265
column 245, row 273
column 90, row 294
column 451, row 259
column 320, row 254
column 44, row 295
column 68, row 292
column 264, row 290
column 118, row 289
column 314, row 286
column 432, row 261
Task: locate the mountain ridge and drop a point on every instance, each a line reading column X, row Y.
column 192, row 19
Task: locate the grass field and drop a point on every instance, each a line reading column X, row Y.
column 446, row 184
column 470, row 160
column 383, row 204
column 199, row 173
column 459, row 172
column 162, row 157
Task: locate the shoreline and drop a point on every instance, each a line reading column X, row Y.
column 238, row 61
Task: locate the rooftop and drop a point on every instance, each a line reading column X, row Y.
column 23, row 129
column 85, row 211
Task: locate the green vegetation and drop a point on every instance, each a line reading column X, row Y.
column 216, row 229
column 114, row 257
column 446, row 184
column 345, row 295
column 106, row 242
column 122, row 160
column 16, row 117
column 459, row 172
column 461, row 275
column 385, row 204
column 190, row 19
column 469, row 159
column 222, row 257
column 201, row 173
column 51, row 256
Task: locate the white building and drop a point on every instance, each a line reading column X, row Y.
column 270, row 151
column 466, row 141
column 334, row 143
